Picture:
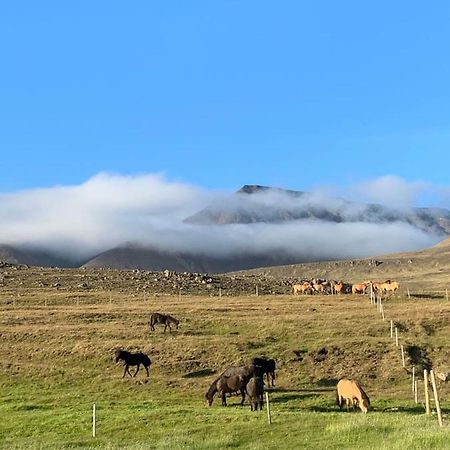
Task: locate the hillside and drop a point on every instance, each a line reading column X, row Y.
column 137, row 257
column 428, row 267
column 15, row 255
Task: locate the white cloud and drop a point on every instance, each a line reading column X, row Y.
column 108, row 210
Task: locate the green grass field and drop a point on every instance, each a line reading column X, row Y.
column 57, row 360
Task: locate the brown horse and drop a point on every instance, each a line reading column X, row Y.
column 359, row 288
column 255, row 392
column 233, row 379
column 351, row 391
column 164, row 319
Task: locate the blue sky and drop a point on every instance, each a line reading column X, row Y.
column 295, row 94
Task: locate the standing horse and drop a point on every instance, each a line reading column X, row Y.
column 267, row 367
column 132, row 359
column 255, row 392
column 351, row 391
column 164, row 319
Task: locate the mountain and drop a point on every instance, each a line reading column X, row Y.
column 139, row 257
column 16, row 255
column 254, row 203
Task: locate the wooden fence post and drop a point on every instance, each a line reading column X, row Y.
column 446, row 294
column 427, row 394
column 436, row 398
column 220, row 292
column 413, row 378
column 93, row 420
column 382, row 313
column 269, row 417
column 256, row 291
column 409, row 295
column 392, row 329
column 403, row 355
column 416, row 395
column 396, row 336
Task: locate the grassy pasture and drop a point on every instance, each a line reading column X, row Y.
column 57, row 360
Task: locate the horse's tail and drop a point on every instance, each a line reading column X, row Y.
column 338, row 398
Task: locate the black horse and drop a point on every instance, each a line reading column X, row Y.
column 132, row 359
column 267, row 367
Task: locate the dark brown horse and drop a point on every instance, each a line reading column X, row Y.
column 233, row 379
column 163, row 319
column 255, row 392
column 132, row 359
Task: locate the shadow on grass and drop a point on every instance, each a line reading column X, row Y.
column 313, row 390
column 424, row 295
column 294, row 396
column 199, row 373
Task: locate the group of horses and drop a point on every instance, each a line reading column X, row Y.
column 246, row 380
column 330, row 287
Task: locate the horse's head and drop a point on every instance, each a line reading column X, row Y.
column 208, row 399
column 118, row 354
column 364, row 405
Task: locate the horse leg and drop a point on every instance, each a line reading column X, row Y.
column 146, row 368
column 125, row 370
column 243, row 396
column 165, row 327
column 224, row 399
column 137, row 370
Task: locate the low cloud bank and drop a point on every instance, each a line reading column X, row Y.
column 108, row 210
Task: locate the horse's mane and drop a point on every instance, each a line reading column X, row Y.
column 363, row 393
column 212, row 389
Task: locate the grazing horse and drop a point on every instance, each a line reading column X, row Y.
column 233, row 374
column 164, row 319
column 351, row 391
column 132, row 359
column 266, row 367
column 255, row 392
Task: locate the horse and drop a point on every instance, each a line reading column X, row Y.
column 339, row 287
column 302, row 288
column 359, row 288
column 164, row 319
column 132, row 359
column 390, row 286
column 351, row 390
column 255, row 392
column 243, row 373
column 266, row 367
